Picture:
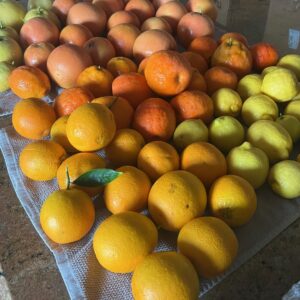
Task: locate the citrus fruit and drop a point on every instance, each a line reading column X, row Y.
column 12, row 14
column 10, row 51
column 272, row 138
column 232, row 199
column 128, row 192
column 196, row 60
column 291, row 124
column 77, row 165
column 32, row 118
column 67, row 215
column 125, row 147
column 206, row 7
column 284, row 179
column 143, row 9
column 157, row 158
column 226, row 132
column 5, row 71
column 291, row 62
column 122, row 17
column 210, row 244
column 188, row 132
column 156, row 23
column 176, row 198
column 109, row 6
column 121, row 65
column 268, row 70
column 197, row 82
column 259, row 107
column 76, row 34
column 249, row 85
column 227, row 102
column 122, row 241
column 293, row 109
column 40, row 160
column 205, row 161
column 204, row 45
column 248, row 162
column 165, row 275
column 91, row 127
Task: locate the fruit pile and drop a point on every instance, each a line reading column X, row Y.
column 184, row 133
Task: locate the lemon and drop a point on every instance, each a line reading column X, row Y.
column 188, row 132
column 165, row 275
column 259, row 107
column 284, row 179
column 293, row 109
column 280, row 84
column 123, row 240
column 291, row 62
column 250, row 163
column 249, row 85
column 227, row 102
column 269, row 69
column 291, row 124
column 272, row 138
column 226, row 132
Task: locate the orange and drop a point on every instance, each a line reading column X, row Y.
column 67, row 216
column 210, row 244
column 157, row 158
column 29, row 82
column 196, row 60
column 70, row 99
column 91, row 127
column 33, row 118
column 232, row 199
column 143, row 9
column 197, row 82
column 234, row 35
column 122, row 241
column 133, row 87
column 58, row 134
column 76, row 34
column 125, row 147
column 165, row 275
column 204, row 45
column 205, row 161
column 193, row 105
column 142, row 66
column 122, row 17
column 206, row 7
column 156, row 23
column 77, row 165
column 121, row 65
column 97, row 80
column 168, row 72
column 121, row 109
column 176, row 198
column 220, row 77
column 40, row 160
column 155, row 119
column 128, row 192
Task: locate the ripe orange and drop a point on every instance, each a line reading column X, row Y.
column 33, row 118
column 29, row 82
column 197, row 82
column 109, row 6
column 122, row 17
column 155, row 119
column 205, row 161
column 120, row 65
column 156, row 23
column 70, row 99
column 76, row 34
column 204, row 45
column 143, row 9
column 142, row 66
column 196, row 60
column 234, row 35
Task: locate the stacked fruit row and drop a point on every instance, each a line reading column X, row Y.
column 184, row 133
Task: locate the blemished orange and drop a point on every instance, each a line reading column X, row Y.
column 204, row 45
column 205, row 161
column 193, row 105
column 165, row 275
column 196, row 60
column 91, row 127
column 168, row 72
column 120, row 107
column 232, row 199
column 155, row 119
column 133, row 87
column 67, row 216
column 97, row 80
column 128, row 192
column 123, row 240
column 197, row 82
column 176, row 198
column 123, row 150
column 77, row 165
column 70, row 99
column 29, row 82
column 210, row 244
column 40, row 160
column 58, row 134
column 121, row 65
column 32, row 118
column 157, row 158
column 220, row 77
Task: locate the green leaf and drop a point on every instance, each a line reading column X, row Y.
column 97, row 177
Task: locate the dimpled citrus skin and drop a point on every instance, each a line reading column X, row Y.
column 67, row 216
column 210, row 244
column 123, row 240
column 40, row 160
column 176, row 198
column 91, row 127
column 165, row 275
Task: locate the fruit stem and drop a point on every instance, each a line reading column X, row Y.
column 68, row 179
column 230, row 42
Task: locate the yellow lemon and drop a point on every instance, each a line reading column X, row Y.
column 291, row 62
column 291, row 124
column 249, row 85
column 293, row 109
